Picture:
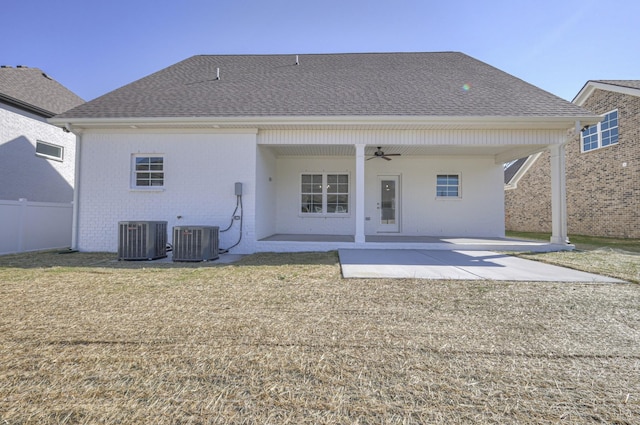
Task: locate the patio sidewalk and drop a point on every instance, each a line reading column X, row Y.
column 456, row 265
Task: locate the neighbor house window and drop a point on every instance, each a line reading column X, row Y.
column 601, row 135
column 148, row 171
column 324, row 193
column 49, row 150
column 448, row 186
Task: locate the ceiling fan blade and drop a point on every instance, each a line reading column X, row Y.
column 392, row 154
column 371, row 158
column 385, row 157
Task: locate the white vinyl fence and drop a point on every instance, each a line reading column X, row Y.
column 33, row 226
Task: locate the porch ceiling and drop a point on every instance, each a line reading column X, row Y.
column 498, row 151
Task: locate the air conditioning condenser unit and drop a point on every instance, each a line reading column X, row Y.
column 195, row 243
column 142, row 240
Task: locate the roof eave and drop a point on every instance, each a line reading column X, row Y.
column 513, row 182
column 590, row 86
column 26, row 106
column 466, row 122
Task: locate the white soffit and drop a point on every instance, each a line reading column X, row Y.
column 415, row 150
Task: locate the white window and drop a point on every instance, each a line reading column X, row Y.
column 148, row 171
column 448, row 186
column 601, row 135
column 49, row 150
column 324, row 193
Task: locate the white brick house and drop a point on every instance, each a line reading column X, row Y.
column 37, row 162
column 301, row 133
column 37, row 159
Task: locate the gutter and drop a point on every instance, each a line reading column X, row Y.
column 26, row 106
column 513, row 183
column 464, row 122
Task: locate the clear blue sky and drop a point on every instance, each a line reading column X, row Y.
column 93, row 47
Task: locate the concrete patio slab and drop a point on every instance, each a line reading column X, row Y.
column 282, row 242
column 455, row 265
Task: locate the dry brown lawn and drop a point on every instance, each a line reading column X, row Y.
column 616, row 263
column 283, row 339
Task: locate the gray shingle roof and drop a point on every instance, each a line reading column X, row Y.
column 358, row 84
column 32, row 89
column 513, row 168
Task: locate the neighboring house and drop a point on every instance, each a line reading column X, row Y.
column 37, row 162
column 36, row 158
column 602, row 167
column 301, row 134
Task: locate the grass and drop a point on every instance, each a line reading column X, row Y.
column 585, row 242
column 618, row 258
column 283, row 339
column 604, row 261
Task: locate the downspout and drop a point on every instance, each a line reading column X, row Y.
column 76, row 188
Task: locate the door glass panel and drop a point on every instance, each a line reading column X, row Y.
column 388, row 202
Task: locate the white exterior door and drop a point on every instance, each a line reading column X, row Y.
column 388, row 204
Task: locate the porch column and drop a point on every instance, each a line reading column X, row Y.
column 359, row 236
column 558, row 196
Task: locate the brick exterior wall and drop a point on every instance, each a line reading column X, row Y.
column 603, row 185
column 528, row 207
column 22, row 173
column 200, row 175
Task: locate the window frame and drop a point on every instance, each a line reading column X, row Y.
column 134, row 172
column 597, row 131
column 325, row 194
column 458, row 186
column 44, row 155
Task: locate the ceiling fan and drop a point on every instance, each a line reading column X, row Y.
column 380, row 154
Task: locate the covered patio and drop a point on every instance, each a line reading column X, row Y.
column 422, row 220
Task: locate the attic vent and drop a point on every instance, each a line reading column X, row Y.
column 49, row 150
